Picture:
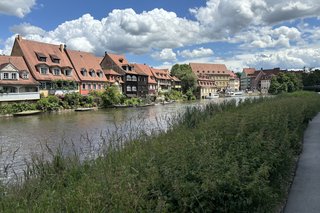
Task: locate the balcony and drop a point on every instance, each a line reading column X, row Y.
column 19, row 96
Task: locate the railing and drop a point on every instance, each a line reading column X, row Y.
column 62, row 92
column 19, row 96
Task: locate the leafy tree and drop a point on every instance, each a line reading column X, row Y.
column 285, row 82
column 111, row 96
column 185, row 74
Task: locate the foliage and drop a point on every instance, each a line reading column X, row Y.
column 173, row 95
column 219, row 159
column 64, row 84
column 285, row 82
column 185, row 74
column 50, row 103
column 112, row 96
column 16, row 107
column 189, row 95
column 311, row 81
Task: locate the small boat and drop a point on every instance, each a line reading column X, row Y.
column 146, row 105
column 212, row 96
column 25, row 113
column 81, row 109
column 229, row 94
column 240, row 93
column 167, row 102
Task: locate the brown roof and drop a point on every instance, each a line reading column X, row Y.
column 31, row 50
column 202, row 68
column 161, row 74
column 89, row 62
column 249, row 71
column 175, row 78
column 110, row 72
column 18, row 63
column 143, row 68
column 120, row 60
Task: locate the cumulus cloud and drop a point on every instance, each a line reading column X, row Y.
column 26, row 29
column 18, row 8
column 165, row 55
column 196, row 53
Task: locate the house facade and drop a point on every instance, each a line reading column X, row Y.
column 152, row 85
column 234, row 83
column 163, row 79
column 114, row 79
column 135, row 84
column 246, row 78
column 87, row 67
column 215, row 72
column 16, row 82
column 48, row 64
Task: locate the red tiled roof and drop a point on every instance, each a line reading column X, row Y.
column 30, row 49
column 110, row 72
column 147, row 71
column 161, row 74
column 202, row 68
column 249, row 71
column 19, row 63
column 175, row 78
column 89, row 62
column 120, row 60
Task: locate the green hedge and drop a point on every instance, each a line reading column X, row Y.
column 220, row 159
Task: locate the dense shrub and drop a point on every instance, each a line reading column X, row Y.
column 16, row 107
column 50, row 103
column 220, row 159
column 112, row 96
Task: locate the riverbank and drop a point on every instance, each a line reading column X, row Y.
column 222, row 158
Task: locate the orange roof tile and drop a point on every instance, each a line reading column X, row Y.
column 89, row 62
column 19, row 63
column 110, row 72
column 161, row 74
column 120, row 60
column 30, row 50
column 143, row 68
column 249, row 71
column 202, row 68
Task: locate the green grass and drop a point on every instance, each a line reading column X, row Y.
column 220, row 159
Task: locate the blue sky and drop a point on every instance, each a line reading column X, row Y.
column 246, row 33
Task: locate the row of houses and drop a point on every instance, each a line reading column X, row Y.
column 258, row 80
column 35, row 67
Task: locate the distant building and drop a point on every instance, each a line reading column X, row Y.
column 234, row 83
column 152, row 83
column 114, row 79
column 47, row 63
column 176, row 83
column 87, row 67
column 16, row 81
column 163, row 79
column 134, row 82
column 246, row 78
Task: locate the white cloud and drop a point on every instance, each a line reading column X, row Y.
column 196, row 53
column 165, row 55
column 26, row 29
column 18, row 8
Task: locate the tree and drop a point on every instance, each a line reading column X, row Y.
column 285, row 82
column 111, row 96
column 185, row 74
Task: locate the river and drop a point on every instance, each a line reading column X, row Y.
column 22, row 137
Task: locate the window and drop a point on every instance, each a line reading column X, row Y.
column 83, row 86
column 44, row 70
column 41, row 57
column 99, row 74
column 128, row 89
column 25, row 75
column 134, row 88
column 42, row 85
column 89, row 86
column 67, row 72
column 134, row 78
column 92, row 73
column 56, row 71
column 94, row 86
column 128, row 77
column 14, row 76
column 55, row 59
column 121, row 60
column 5, row 75
column 10, row 89
column 83, row 72
column 99, row 86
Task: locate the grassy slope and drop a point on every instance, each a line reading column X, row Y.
column 223, row 159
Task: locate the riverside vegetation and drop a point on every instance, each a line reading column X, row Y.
column 223, row 158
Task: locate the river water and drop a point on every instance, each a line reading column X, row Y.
column 22, row 137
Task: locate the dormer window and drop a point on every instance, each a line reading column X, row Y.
column 92, row 73
column 56, row 71
column 68, row 72
column 44, row 70
column 14, row 76
column 41, row 57
column 99, row 73
column 83, row 72
column 5, row 75
column 25, row 75
column 55, row 59
column 121, row 60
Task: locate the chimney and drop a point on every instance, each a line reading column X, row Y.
column 61, row 48
column 105, row 53
column 19, row 37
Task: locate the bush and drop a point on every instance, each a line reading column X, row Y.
column 111, row 96
column 50, row 103
column 16, row 107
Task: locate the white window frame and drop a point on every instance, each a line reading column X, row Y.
column 68, row 72
column 14, row 75
column 43, row 68
column 5, row 76
column 134, row 89
column 128, row 88
column 84, row 86
column 56, row 71
column 25, row 75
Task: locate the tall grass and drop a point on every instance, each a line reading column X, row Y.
column 222, row 158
